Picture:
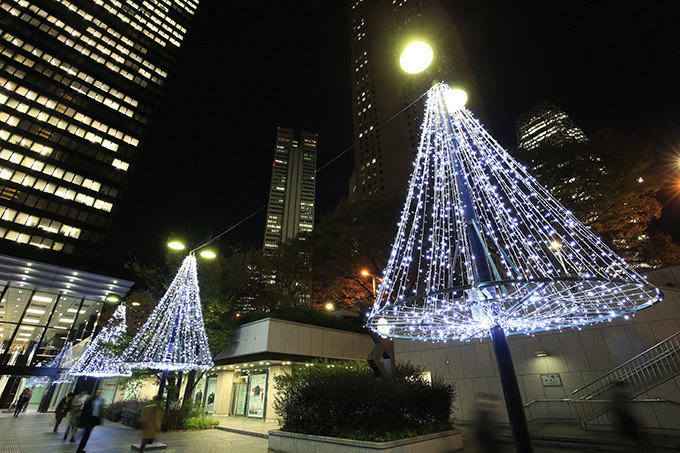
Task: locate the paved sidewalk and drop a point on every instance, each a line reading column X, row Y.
column 32, row 433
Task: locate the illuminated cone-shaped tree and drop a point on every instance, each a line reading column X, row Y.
column 100, row 358
column 173, row 338
column 482, row 249
column 63, row 361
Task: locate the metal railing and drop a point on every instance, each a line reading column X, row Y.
column 598, row 413
column 649, row 368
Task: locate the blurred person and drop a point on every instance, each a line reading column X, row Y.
column 626, row 422
column 152, row 416
column 62, row 409
column 23, row 400
column 90, row 417
column 77, row 403
column 487, row 431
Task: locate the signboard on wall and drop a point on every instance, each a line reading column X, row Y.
column 551, row 380
column 257, row 392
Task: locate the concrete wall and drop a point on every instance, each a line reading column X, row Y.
column 286, row 337
column 578, row 356
column 223, row 390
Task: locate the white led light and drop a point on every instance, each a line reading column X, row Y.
column 174, row 338
column 546, row 270
column 99, row 360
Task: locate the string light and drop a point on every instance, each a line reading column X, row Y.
column 174, row 338
column 548, row 271
column 99, row 359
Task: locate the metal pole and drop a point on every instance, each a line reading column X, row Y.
column 171, row 348
column 482, row 272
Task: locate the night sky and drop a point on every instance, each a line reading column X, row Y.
column 248, row 67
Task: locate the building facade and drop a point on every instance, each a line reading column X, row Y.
column 564, row 376
column 42, row 307
column 386, row 117
column 80, row 81
column 546, row 124
column 292, row 193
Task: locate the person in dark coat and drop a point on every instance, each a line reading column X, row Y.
column 77, row 403
column 62, row 409
column 24, row 398
column 90, row 417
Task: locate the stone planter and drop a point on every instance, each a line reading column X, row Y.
column 285, row 442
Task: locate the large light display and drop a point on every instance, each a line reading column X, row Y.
column 481, row 243
column 173, row 338
column 100, row 359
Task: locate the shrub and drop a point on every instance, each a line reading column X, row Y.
column 201, row 422
column 126, row 412
column 175, row 418
column 349, row 401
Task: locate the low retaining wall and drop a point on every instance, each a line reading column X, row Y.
column 285, row 442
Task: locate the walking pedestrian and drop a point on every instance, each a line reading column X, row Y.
column 23, row 400
column 62, row 410
column 152, row 416
column 89, row 418
column 77, row 403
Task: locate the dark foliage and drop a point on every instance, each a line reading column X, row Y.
column 126, row 412
column 349, row 401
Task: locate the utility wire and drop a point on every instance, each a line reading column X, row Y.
column 317, row 170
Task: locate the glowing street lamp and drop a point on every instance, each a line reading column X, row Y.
column 416, row 57
column 176, row 245
column 365, row 273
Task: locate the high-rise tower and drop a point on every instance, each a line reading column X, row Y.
column 79, row 82
column 546, row 124
column 293, row 187
column 386, row 119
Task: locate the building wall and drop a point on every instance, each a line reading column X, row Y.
column 223, row 392
column 579, row 356
column 292, row 191
column 386, row 142
column 80, row 81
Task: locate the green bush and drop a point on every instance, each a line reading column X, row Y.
column 175, row 418
column 349, row 401
column 126, row 412
column 201, row 422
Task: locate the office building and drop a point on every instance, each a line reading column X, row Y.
column 386, row 118
column 293, row 188
column 43, row 306
column 546, row 124
column 80, row 81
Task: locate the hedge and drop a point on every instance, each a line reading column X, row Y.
column 349, row 401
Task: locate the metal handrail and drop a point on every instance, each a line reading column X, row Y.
column 626, row 363
column 566, row 400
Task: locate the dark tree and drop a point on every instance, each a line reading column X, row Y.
column 611, row 185
column 355, row 236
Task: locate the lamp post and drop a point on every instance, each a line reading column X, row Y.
column 415, row 59
column 207, row 254
column 366, row 273
column 173, row 338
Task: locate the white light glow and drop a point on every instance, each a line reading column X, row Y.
column 536, row 267
column 416, row 57
column 99, row 359
column 173, row 337
column 455, row 99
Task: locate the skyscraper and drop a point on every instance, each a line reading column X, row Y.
column 293, row 188
column 386, row 119
column 546, row 124
column 80, row 81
